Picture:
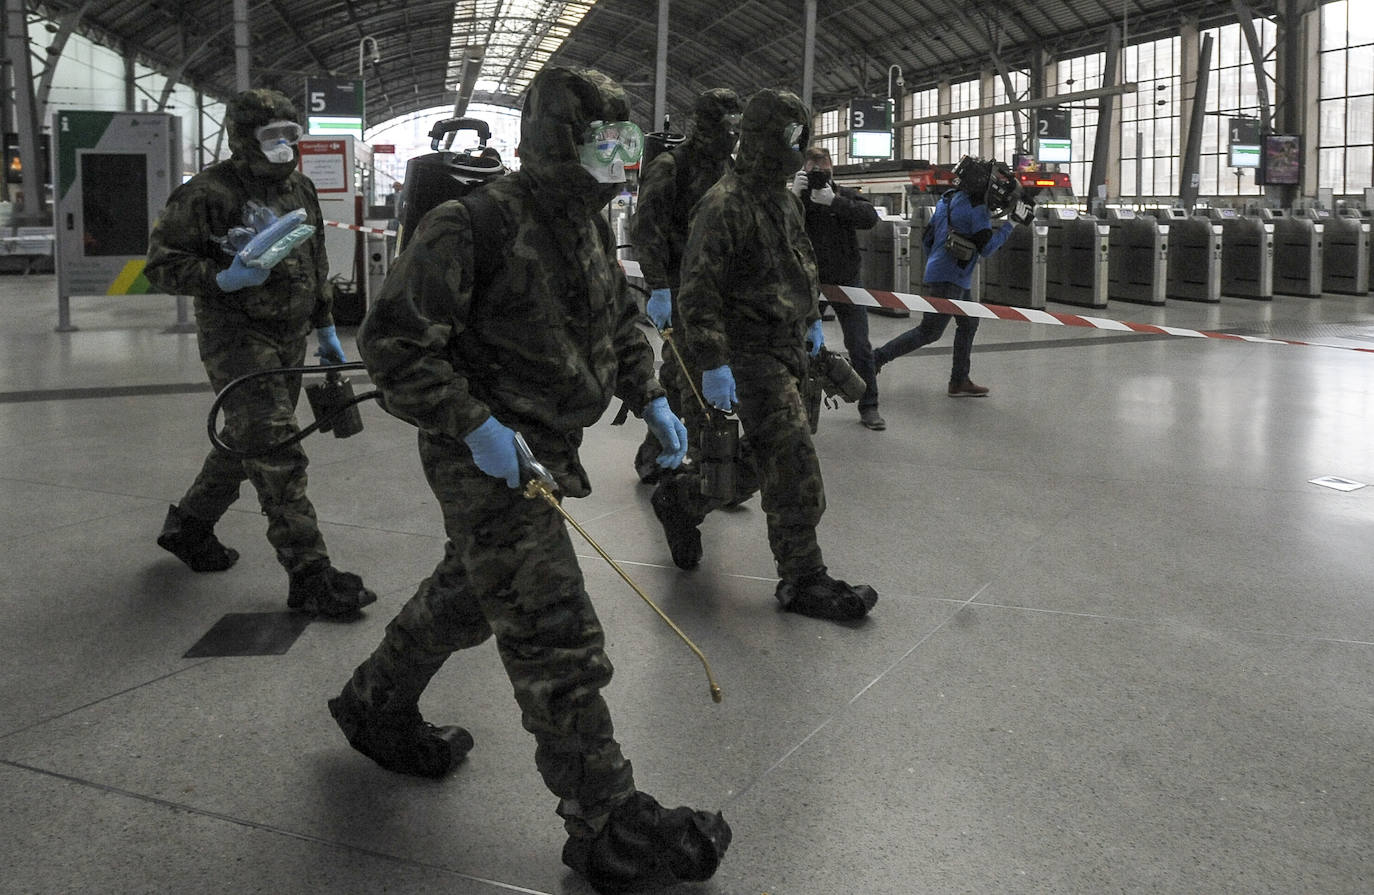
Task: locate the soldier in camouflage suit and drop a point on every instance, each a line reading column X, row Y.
column 540, row 347
column 749, row 306
column 249, row 319
column 669, row 186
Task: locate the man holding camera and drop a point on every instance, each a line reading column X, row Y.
column 833, row 215
column 961, row 231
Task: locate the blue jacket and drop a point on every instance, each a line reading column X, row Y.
column 967, row 220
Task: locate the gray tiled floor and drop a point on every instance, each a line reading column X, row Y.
column 1123, row 644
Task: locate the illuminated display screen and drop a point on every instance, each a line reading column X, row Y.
column 870, row 144
column 1052, row 150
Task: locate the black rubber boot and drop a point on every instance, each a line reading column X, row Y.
column 646, row 461
column 193, row 541
column 820, row 596
column 402, row 742
column 323, row 590
column 644, row 844
column 672, row 506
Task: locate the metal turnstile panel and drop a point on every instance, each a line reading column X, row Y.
column 885, row 258
column 1194, row 264
column 1015, row 274
column 1137, row 257
column 1345, row 253
column 1076, row 258
column 1247, row 254
column 1297, row 255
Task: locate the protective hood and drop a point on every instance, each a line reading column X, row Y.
column 712, row 136
column 559, row 106
column 765, row 156
column 249, row 111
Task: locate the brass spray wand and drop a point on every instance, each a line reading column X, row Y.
column 541, row 484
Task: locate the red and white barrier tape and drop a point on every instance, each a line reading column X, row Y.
column 377, row 230
column 873, row 298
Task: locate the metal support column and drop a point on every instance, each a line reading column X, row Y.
column 809, row 53
column 1189, row 178
column 29, row 209
column 661, row 68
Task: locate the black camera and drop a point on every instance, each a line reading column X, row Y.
column 817, row 179
column 333, row 405
column 837, row 377
column 719, row 450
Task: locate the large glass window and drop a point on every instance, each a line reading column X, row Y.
column 963, row 132
column 830, row 122
column 1004, row 123
column 1081, row 73
column 1345, row 162
column 1232, row 93
column 1150, row 149
column 924, row 139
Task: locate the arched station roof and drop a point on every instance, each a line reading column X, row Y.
column 432, row 53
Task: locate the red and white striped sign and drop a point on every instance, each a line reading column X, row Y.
column 873, row 298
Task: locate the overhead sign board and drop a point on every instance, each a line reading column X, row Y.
column 1053, row 135
column 334, row 107
column 1243, row 140
column 870, row 128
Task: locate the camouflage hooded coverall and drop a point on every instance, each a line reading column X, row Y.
column 255, row 328
column 543, row 348
column 748, row 298
column 662, row 213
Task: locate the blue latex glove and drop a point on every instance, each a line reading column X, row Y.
column 659, row 307
column 330, row 351
column 669, row 431
column 493, row 450
column 815, row 339
column 240, row 276
column 718, row 387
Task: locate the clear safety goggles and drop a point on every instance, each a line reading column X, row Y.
column 607, row 141
column 732, row 122
column 279, row 132
column 792, row 135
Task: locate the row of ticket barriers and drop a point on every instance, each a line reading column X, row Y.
column 1074, row 258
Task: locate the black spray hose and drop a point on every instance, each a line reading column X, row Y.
column 294, row 439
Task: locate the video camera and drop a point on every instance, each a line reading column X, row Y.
column 996, row 185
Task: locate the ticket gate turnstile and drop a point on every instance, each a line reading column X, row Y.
column 1247, row 254
column 1015, row 274
column 1076, row 257
column 1297, row 252
column 885, row 258
column 1194, row 265
column 1137, row 257
column 1345, row 251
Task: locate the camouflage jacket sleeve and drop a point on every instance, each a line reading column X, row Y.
column 323, row 314
column 635, row 382
column 182, row 255
column 653, row 224
column 706, row 276
column 422, row 307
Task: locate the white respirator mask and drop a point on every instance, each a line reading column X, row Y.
column 278, row 140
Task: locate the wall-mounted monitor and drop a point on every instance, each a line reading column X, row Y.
column 870, row 144
column 1051, row 149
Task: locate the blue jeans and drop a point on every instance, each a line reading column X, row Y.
column 931, row 328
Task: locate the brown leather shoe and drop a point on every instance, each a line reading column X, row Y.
column 966, row 389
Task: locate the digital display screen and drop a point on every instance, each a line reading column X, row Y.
column 331, row 126
column 1245, row 155
column 870, row 144
column 114, row 203
column 1054, row 150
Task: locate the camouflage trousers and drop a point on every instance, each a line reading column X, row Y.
column 509, row 569
column 774, row 421
column 261, row 411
